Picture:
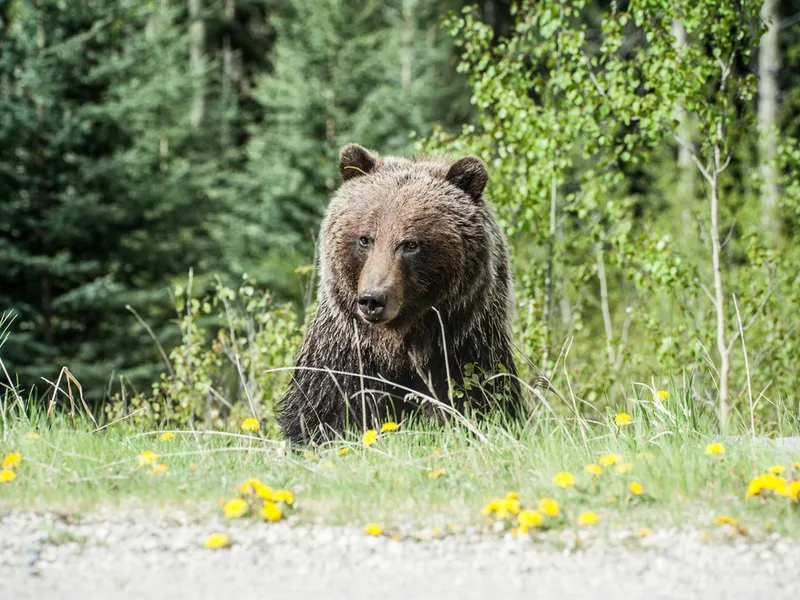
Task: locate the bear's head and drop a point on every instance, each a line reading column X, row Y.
column 402, row 235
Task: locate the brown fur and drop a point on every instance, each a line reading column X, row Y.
column 384, row 208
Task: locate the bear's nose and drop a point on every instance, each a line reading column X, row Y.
column 371, row 304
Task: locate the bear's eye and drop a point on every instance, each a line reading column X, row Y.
column 364, row 241
column 410, row 246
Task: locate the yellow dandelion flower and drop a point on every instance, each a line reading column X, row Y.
column 644, row 532
column 263, row 491
column 271, row 512
column 370, row 437
column 623, row 419
column 249, row 424
column 588, row 518
column 610, row 459
column 12, row 460
column 148, row 457
column 725, row 520
column 159, row 468
column 776, row 484
column 389, row 426
column 254, row 486
column 715, row 448
column 777, row 469
column 779, row 486
column 624, row 468
column 502, row 508
column 593, row 469
column 7, row 476
column 636, row 488
column 767, row 482
column 284, row 496
column 508, row 507
column 167, row 436
column 564, row 479
column 345, row 450
column 794, row 491
column 796, row 464
column 373, row 529
column 530, row 518
column 193, row 467
column 310, row 456
column 755, row 487
column 512, row 496
column 249, row 485
column 33, row 436
column 549, row 507
column 436, row 473
column 663, row 394
column 235, row 508
column 491, row 507
column 217, row 540
column 645, row 456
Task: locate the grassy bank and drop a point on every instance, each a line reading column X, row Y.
column 422, row 476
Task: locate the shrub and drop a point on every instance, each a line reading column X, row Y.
column 224, row 368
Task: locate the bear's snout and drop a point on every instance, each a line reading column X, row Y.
column 379, row 303
column 371, row 305
column 380, row 288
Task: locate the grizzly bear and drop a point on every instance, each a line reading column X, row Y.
column 415, row 288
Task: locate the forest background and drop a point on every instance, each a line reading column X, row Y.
column 164, row 166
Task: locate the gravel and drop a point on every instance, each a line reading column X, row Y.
column 142, row 555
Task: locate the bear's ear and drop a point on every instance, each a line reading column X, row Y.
column 355, row 161
column 470, row 175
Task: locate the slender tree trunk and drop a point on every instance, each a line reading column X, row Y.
column 408, row 40
column 330, row 122
column 686, row 181
column 601, row 276
column 768, row 65
column 196, row 49
column 548, row 281
column 154, row 25
column 719, row 292
column 47, row 309
column 490, row 13
column 45, row 284
column 227, row 74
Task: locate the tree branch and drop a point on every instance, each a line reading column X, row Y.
column 703, row 171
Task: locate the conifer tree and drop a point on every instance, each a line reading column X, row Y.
column 101, row 186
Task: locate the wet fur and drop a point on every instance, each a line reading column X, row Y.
column 462, row 270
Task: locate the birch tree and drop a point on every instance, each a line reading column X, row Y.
column 768, row 65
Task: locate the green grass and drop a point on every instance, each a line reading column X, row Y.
column 71, row 467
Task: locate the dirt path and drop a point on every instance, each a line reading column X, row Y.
column 131, row 557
